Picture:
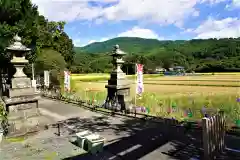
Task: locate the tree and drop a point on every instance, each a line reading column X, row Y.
column 49, row 59
column 52, row 61
column 22, row 17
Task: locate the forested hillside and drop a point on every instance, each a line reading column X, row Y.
column 210, row 55
column 129, row 44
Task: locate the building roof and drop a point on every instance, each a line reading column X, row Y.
column 179, row 67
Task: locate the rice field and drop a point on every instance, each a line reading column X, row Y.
column 218, row 91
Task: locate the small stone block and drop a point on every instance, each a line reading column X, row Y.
column 95, row 143
column 81, row 136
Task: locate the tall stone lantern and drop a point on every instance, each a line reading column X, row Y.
column 118, row 87
column 21, row 90
column 22, row 102
column 20, row 82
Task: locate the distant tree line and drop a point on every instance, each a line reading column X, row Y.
column 211, row 55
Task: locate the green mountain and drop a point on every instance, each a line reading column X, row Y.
column 127, row 44
column 210, row 55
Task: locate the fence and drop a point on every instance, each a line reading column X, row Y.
column 213, row 135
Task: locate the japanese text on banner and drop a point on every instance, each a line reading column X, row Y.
column 46, row 78
column 139, row 85
column 67, row 77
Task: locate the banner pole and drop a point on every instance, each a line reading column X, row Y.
column 33, row 77
column 135, row 85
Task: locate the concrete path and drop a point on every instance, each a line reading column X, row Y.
column 127, row 138
column 120, row 132
column 112, row 128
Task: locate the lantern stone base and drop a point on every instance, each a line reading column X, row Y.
column 118, row 98
column 21, row 82
column 22, row 107
column 23, row 114
column 21, row 86
column 21, row 92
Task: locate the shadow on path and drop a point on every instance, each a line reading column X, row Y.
column 131, row 139
column 137, row 139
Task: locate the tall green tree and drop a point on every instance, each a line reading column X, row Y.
column 22, row 17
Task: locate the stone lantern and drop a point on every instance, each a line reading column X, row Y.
column 22, row 102
column 18, row 56
column 118, row 87
column 21, row 84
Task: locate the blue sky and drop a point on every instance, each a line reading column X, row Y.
column 99, row 20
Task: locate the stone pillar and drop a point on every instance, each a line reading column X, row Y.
column 118, row 87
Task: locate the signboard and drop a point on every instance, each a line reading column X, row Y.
column 38, row 81
column 34, row 84
column 67, row 77
column 139, row 85
column 46, row 78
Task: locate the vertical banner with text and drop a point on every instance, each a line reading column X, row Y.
column 46, row 79
column 139, row 85
column 67, row 77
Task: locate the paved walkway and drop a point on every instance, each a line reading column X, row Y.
column 127, row 132
column 127, row 138
column 123, row 134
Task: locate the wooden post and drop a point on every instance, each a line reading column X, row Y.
column 59, row 131
column 135, row 112
column 213, row 135
column 205, row 137
column 222, row 132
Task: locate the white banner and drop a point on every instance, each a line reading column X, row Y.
column 46, row 78
column 34, row 84
column 139, row 85
column 67, row 78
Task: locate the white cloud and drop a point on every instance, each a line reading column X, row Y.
column 77, row 42
column 101, row 40
column 134, row 32
column 91, row 41
column 234, row 4
column 67, row 10
column 212, row 28
column 213, row 1
column 157, row 11
column 140, row 32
